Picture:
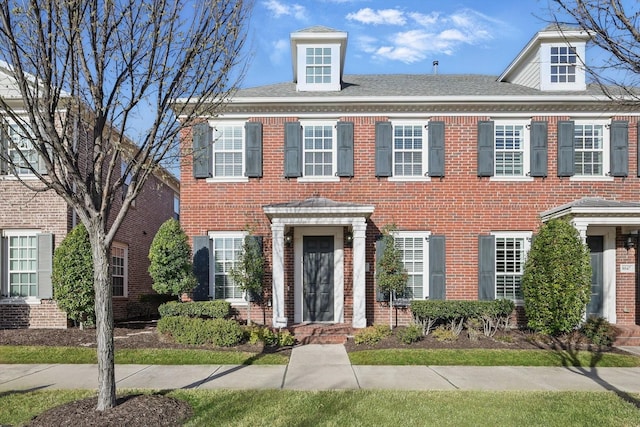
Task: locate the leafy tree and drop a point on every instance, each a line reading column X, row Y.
column 391, row 276
column 249, row 270
column 170, row 260
column 557, row 279
column 86, row 72
column 72, row 277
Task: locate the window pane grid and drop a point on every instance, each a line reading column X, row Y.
column 228, row 151
column 21, row 151
column 563, row 68
column 318, row 61
column 407, row 146
column 226, row 252
column 412, row 252
column 510, row 258
column 118, row 255
column 318, row 150
column 22, row 266
column 509, row 150
column 589, row 150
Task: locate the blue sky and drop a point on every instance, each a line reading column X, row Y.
column 464, row 36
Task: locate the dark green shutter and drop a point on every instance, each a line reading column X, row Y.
column 380, row 295
column 345, row 149
column 486, row 267
column 384, row 149
column 4, row 287
column 619, row 148
column 253, row 154
column 539, row 142
column 437, row 267
column 485, row 148
column 202, row 150
column 292, row 150
column 638, row 151
column 4, row 149
column 45, row 265
column 436, row 148
column 566, row 150
column 201, row 264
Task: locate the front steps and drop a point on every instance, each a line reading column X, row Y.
column 320, row 333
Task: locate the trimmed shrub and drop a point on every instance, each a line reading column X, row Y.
column 372, row 334
column 442, row 333
column 217, row 309
column 269, row 337
column 556, row 283
column 72, row 277
column 170, row 264
column 196, row 331
column 599, row 331
column 410, row 334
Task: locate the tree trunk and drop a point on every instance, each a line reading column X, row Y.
column 104, row 324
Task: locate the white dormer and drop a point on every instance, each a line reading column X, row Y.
column 318, row 58
column 552, row 61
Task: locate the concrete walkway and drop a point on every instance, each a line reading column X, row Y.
column 323, row 367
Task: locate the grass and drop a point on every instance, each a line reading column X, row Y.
column 369, row 407
column 486, row 357
column 45, row 354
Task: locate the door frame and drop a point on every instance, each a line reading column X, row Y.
column 338, row 269
column 608, row 269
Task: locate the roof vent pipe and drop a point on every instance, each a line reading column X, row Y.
column 435, row 67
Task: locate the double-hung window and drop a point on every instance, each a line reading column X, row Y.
column 226, row 248
column 318, row 65
column 319, row 150
column 228, row 151
column 23, row 157
column 563, row 64
column 409, row 150
column 22, row 263
column 511, row 253
column 413, row 247
column 511, row 151
column 119, row 267
column 591, row 156
column 593, row 149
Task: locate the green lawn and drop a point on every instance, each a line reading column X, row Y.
column 369, row 407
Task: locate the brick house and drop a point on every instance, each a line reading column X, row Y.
column 32, row 225
column 465, row 166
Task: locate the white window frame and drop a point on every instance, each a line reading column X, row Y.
column 226, row 178
column 424, row 175
column 545, row 67
column 606, row 151
column 28, row 174
column 125, row 276
column 424, row 235
column 334, row 152
column 212, row 271
column 526, row 237
column 526, row 150
column 176, row 207
column 334, row 85
column 18, row 233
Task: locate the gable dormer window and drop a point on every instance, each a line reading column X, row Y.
column 318, row 59
column 563, row 64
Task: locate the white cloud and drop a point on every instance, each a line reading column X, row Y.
column 279, row 50
column 279, row 9
column 378, row 17
column 425, row 20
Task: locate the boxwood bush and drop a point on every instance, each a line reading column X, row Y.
column 197, row 331
column 430, row 313
column 217, row 309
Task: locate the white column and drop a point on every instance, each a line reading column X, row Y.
column 581, row 226
column 277, row 234
column 359, row 263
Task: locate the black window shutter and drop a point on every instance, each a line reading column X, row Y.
column 619, row 139
column 566, row 151
column 485, row 148
column 539, row 142
column 380, row 295
column 45, row 265
column 4, row 289
column 437, row 267
column 201, row 264
column 345, row 149
column 384, row 149
column 202, row 150
column 436, row 148
column 292, row 150
column 253, row 134
column 4, row 149
column 486, row 267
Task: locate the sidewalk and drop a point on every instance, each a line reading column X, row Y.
column 323, row 367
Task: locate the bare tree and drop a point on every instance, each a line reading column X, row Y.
column 614, row 26
column 85, row 71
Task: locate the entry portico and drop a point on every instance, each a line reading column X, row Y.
column 298, row 223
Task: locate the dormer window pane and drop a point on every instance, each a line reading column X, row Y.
column 563, row 68
column 318, row 65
